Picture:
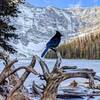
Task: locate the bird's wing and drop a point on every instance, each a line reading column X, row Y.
column 53, row 42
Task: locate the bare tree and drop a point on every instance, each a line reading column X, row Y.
column 59, row 74
column 52, row 78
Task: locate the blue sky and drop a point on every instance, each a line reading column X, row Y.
column 64, row 3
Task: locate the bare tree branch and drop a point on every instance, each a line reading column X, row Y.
column 64, row 96
column 27, row 69
column 44, row 67
column 36, row 89
column 68, row 67
column 5, row 56
column 91, row 81
column 58, row 61
column 60, row 75
column 23, row 77
column 6, row 70
column 97, row 77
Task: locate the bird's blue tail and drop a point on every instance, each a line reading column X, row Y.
column 44, row 52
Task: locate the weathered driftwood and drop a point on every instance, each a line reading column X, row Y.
column 6, row 73
column 9, row 67
column 18, row 96
column 28, row 69
column 68, row 67
column 58, row 62
column 54, row 78
column 66, row 95
column 36, row 90
column 23, row 77
column 8, row 70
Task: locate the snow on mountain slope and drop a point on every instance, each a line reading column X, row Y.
column 35, row 25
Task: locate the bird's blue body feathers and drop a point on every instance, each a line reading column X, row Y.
column 53, row 42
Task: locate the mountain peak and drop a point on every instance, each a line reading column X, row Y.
column 35, row 23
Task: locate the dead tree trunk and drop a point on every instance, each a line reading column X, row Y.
column 54, row 78
column 16, row 92
column 20, row 82
column 9, row 67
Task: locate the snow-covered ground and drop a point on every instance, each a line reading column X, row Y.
column 94, row 64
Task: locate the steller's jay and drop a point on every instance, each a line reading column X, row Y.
column 53, row 42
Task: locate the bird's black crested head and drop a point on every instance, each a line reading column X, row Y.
column 58, row 34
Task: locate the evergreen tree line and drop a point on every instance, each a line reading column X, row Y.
column 8, row 9
column 85, row 47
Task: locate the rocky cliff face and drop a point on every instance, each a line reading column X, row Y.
column 36, row 25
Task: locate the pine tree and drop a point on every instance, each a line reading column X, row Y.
column 8, row 9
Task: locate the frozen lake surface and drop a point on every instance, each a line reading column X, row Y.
column 93, row 64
